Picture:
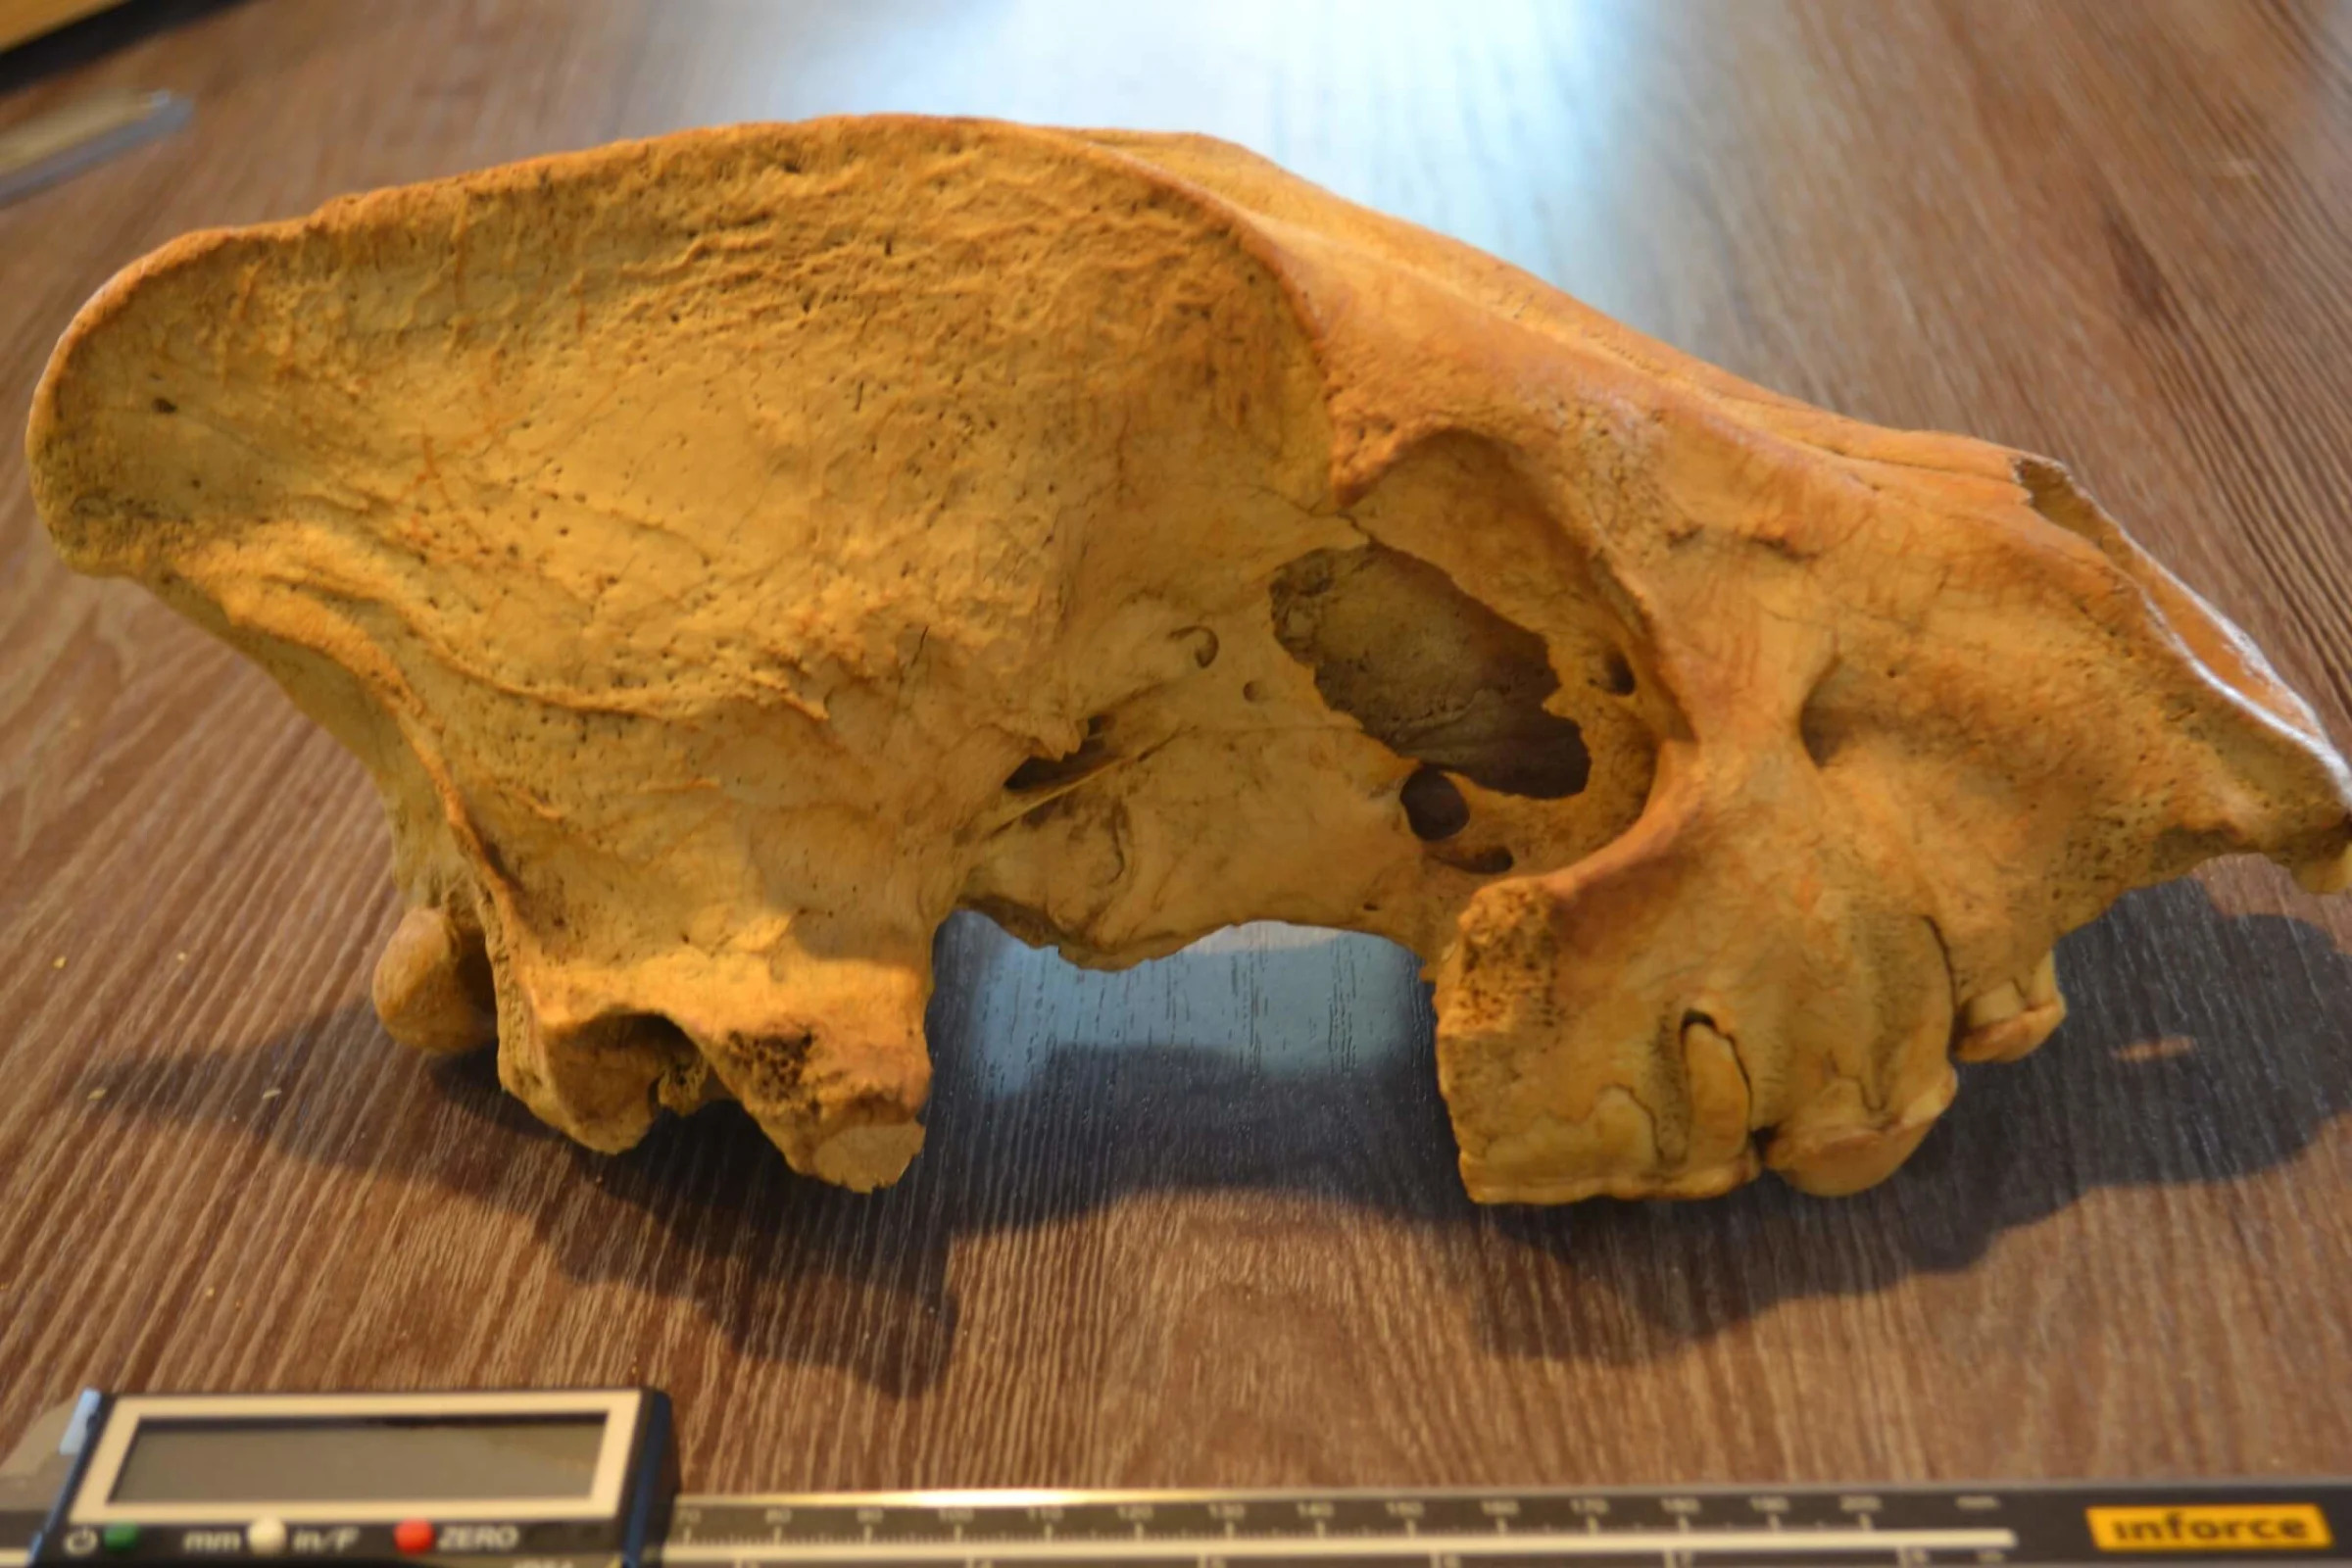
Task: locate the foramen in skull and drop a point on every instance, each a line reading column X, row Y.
column 734, row 552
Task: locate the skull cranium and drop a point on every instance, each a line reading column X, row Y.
column 732, row 553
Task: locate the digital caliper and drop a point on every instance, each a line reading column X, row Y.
column 588, row 1479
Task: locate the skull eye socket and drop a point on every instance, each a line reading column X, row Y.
column 1429, row 671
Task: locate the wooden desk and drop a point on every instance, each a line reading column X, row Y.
column 21, row 20
column 1198, row 1223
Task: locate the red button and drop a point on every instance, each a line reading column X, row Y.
column 412, row 1535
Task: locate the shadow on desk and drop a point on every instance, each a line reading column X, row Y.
column 2201, row 1048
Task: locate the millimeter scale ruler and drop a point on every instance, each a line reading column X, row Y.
column 587, row 1479
column 1506, row 1528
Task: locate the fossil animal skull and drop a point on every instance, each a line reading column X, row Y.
column 733, row 552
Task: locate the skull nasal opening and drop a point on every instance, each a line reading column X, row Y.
column 1429, row 671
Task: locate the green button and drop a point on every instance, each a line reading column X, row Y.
column 120, row 1538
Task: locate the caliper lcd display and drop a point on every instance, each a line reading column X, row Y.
column 548, row 1457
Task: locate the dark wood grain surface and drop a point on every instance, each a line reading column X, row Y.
column 1197, row 1222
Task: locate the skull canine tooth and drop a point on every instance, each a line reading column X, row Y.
column 731, row 552
column 1720, row 1146
column 1841, row 1161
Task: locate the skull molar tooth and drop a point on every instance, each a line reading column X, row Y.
column 732, row 553
column 1834, row 1156
column 433, row 988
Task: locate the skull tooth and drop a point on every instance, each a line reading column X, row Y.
column 432, row 985
column 1989, row 1008
column 2014, row 1018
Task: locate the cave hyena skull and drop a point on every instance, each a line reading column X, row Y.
column 731, row 552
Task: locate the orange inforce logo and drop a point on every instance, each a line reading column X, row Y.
column 2248, row 1527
